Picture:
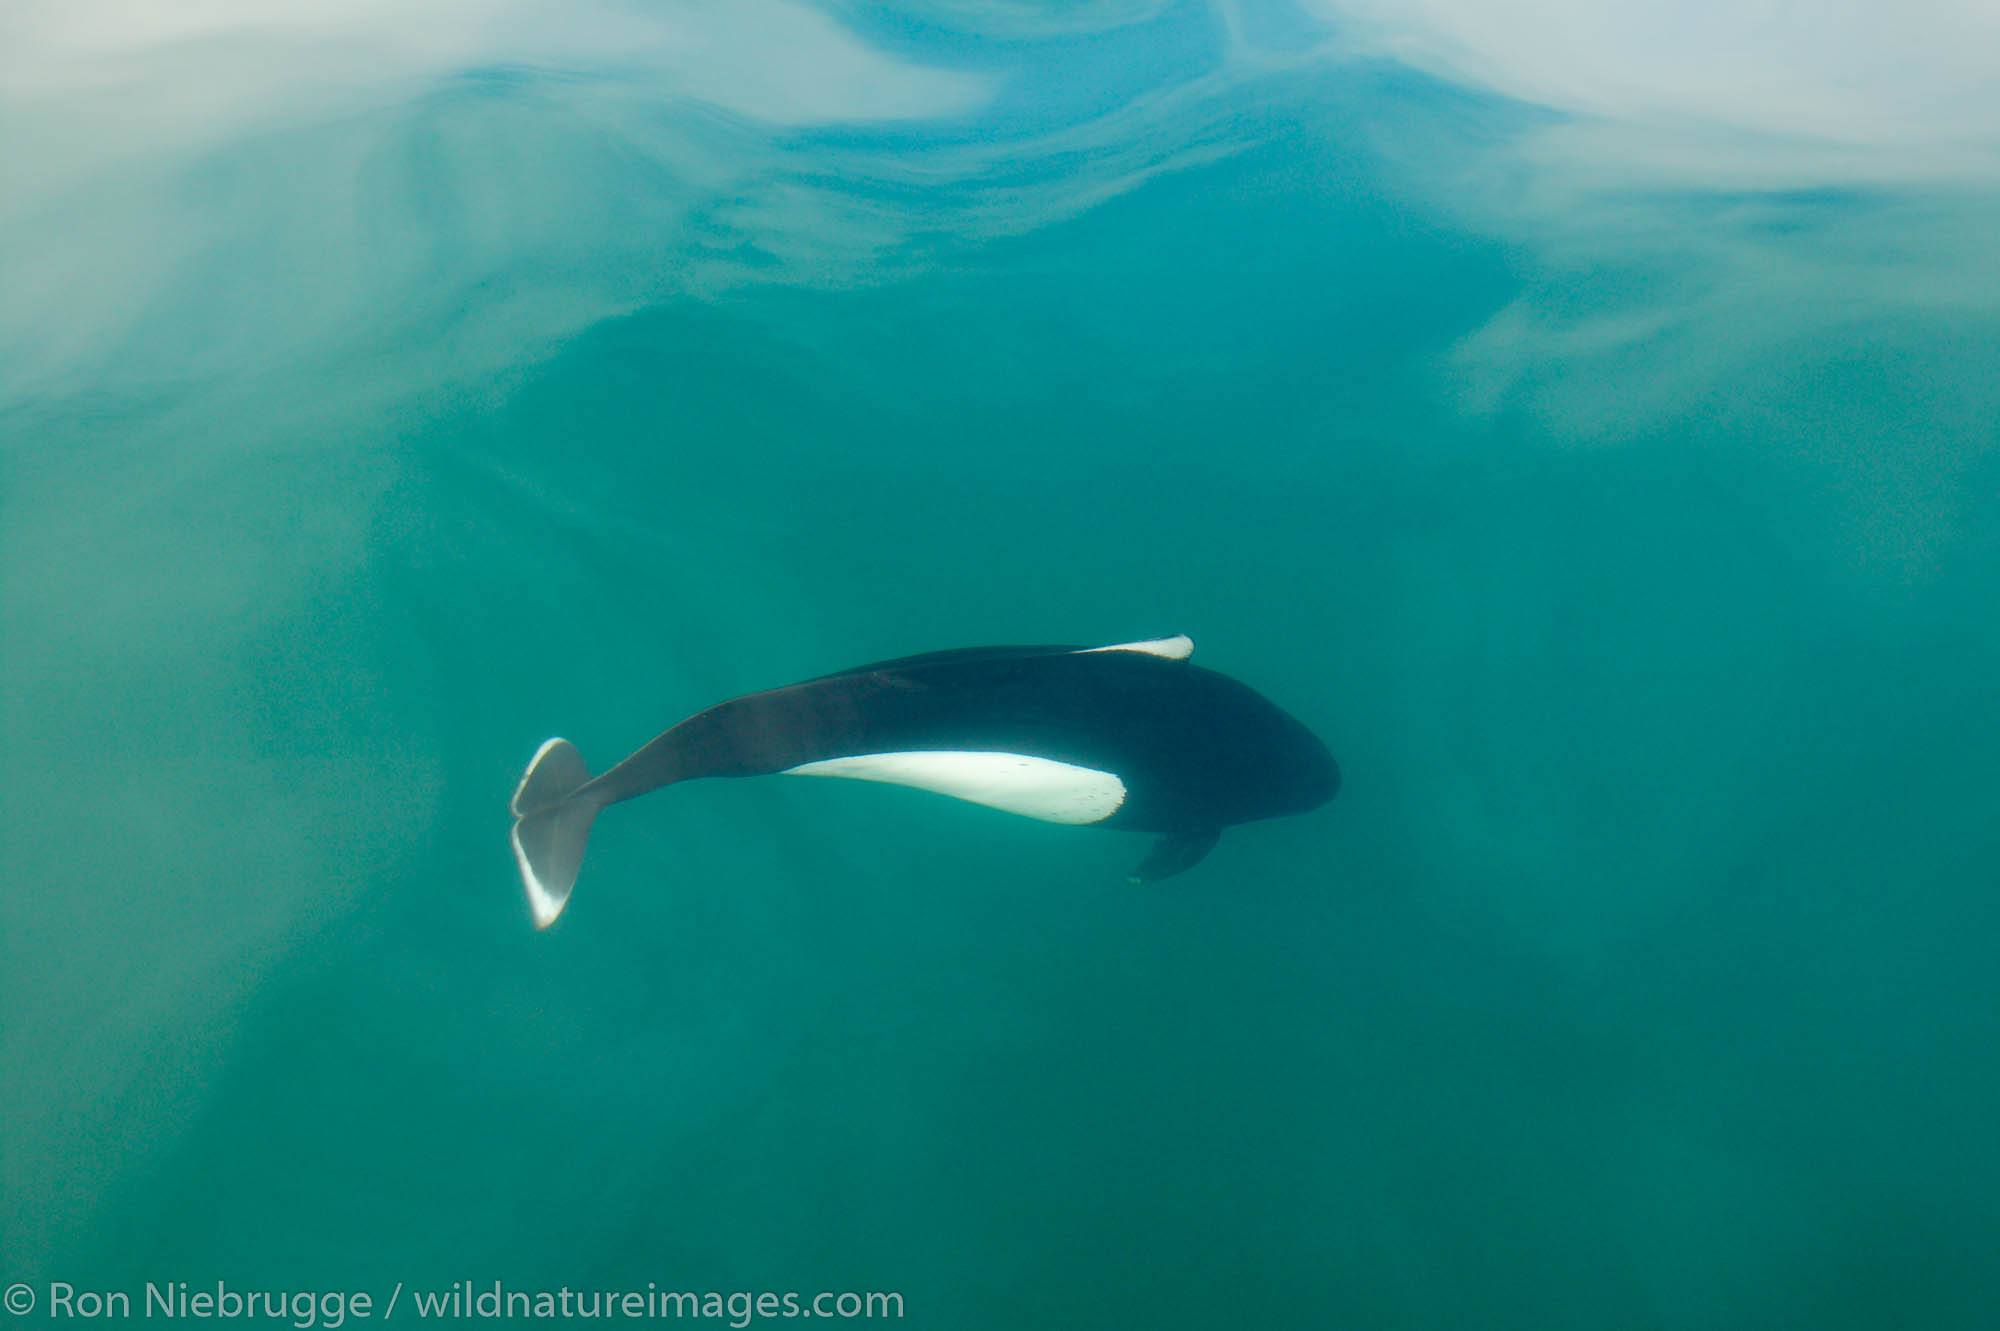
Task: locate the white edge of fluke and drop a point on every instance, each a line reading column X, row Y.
column 543, row 904
column 551, row 828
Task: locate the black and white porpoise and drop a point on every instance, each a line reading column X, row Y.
column 1130, row 736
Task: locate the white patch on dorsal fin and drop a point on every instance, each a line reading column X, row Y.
column 1013, row 782
column 1177, row 648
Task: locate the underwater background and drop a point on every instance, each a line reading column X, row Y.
column 1585, row 422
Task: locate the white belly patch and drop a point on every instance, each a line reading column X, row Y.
column 1013, row 782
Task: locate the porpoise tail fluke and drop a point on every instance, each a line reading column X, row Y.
column 551, row 827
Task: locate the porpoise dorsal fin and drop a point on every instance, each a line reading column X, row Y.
column 1177, row 648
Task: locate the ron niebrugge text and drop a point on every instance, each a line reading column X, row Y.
column 332, row 1308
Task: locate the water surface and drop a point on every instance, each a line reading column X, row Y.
column 1618, row 500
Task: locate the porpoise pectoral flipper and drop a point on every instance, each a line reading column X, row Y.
column 1133, row 736
column 1175, row 853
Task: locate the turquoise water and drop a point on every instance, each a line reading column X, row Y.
column 1632, row 540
